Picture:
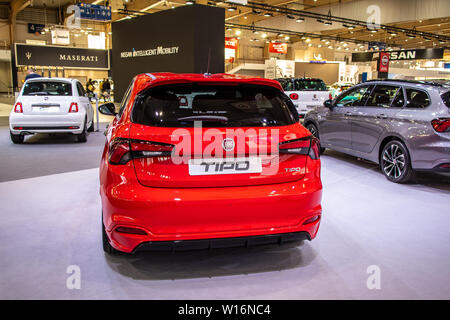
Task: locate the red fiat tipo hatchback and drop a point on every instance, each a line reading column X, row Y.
column 198, row 161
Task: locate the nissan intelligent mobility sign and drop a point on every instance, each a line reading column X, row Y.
column 180, row 40
column 55, row 56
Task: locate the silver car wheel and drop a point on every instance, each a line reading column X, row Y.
column 394, row 162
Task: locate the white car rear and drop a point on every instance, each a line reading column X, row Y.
column 305, row 93
column 51, row 105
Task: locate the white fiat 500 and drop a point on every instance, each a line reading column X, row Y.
column 51, row 105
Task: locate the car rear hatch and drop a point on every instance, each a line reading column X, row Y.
column 47, row 97
column 187, row 161
column 216, row 136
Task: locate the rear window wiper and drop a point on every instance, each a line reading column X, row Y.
column 204, row 118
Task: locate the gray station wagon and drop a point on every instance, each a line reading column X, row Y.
column 404, row 126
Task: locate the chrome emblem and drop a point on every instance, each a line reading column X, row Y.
column 228, row 144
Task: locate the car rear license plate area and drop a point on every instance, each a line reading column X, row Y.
column 215, row 166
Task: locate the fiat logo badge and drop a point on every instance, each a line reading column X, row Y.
column 228, row 144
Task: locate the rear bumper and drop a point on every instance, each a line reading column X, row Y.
column 430, row 152
column 46, row 123
column 169, row 214
column 236, row 242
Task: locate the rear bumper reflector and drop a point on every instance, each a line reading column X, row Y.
column 47, row 128
column 202, row 244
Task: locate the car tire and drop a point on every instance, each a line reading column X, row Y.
column 315, row 132
column 91, row 127
column 82, row 137
column 395, row 162
column 105, row 241
column 17, row 138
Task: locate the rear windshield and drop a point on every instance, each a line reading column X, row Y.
column 47, row 88
column 216, row 106
column 287, row 84
column 446, row 98
column 309, row 85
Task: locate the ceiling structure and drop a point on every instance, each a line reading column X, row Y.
column 436, row 32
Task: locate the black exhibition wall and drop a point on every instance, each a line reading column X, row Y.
column 177, row 40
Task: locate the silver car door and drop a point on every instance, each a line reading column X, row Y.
column 372, row 119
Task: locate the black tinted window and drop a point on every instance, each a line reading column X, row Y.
column 446, row 98
column 287, row 84
column 80, row 89
column 47, row 88
column 215, row 106
column 382, row 96
column 417, row 98
column 309, row 85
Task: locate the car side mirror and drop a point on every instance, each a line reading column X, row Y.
column 108, row 109
column 328, row 104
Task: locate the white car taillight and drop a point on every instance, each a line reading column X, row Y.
column 73, row 107
column 18, row 108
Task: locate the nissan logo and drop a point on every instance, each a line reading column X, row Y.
column 228, row 144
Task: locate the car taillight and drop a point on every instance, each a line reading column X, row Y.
column 306, row 146
column 144, row 149
column 119, row 151
column 293, row 96
column 123, row 150
column 330, row 96
column 18, row 108
column 441, row 125
column 73, row 107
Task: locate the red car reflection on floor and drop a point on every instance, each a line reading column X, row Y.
column 198, row 161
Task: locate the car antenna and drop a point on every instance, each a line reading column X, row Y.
column 209, row 61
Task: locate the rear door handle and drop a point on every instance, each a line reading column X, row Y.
column 382, row 116
column 348, row 113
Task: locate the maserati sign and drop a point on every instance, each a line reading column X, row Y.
column 55, row 56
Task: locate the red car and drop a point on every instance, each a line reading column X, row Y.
column 197, row 161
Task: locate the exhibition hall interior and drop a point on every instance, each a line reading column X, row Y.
column 215, row 150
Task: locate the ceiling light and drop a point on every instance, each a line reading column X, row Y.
column 299, row 19
column 188, row 2
column 238, row 32
column 264, row 35
column 256, row 11
column 268, row 14
column 308, row 40
column 232, row 9
column 348, row 26
column 286, row 38
column 328, row 23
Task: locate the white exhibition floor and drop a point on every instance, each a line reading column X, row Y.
column 50, row 222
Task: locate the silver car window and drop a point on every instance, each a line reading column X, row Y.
column 353, row 97
column 382, row 96
column 416, row 98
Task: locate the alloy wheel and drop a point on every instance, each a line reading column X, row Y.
column 394, row 162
